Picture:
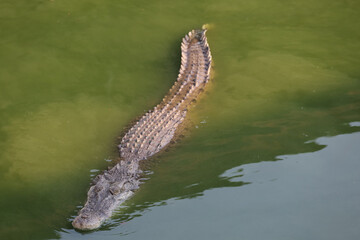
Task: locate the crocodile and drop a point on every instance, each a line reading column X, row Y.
column 151, row 133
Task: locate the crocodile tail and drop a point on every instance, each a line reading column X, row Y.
column 156, row 128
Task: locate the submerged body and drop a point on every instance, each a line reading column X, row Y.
column 149, row 135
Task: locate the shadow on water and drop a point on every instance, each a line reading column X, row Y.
column 198, row 164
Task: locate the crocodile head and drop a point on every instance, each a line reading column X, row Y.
column 87, row 220
column 109, row 191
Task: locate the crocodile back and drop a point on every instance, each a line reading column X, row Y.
column 157, row 127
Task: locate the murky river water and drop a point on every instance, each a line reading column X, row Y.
column 272, row 151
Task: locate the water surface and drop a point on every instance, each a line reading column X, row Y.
column 271, row 151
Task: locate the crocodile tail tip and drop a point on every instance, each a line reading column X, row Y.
column 207, row 26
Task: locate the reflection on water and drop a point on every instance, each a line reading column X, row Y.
column 74, row 74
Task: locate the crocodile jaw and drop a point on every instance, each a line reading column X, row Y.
column 94, row 214
column 87, row 223
column 110, row 190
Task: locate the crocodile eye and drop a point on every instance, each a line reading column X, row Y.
column 115, row 189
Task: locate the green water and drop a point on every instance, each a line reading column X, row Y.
column 273, row 148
